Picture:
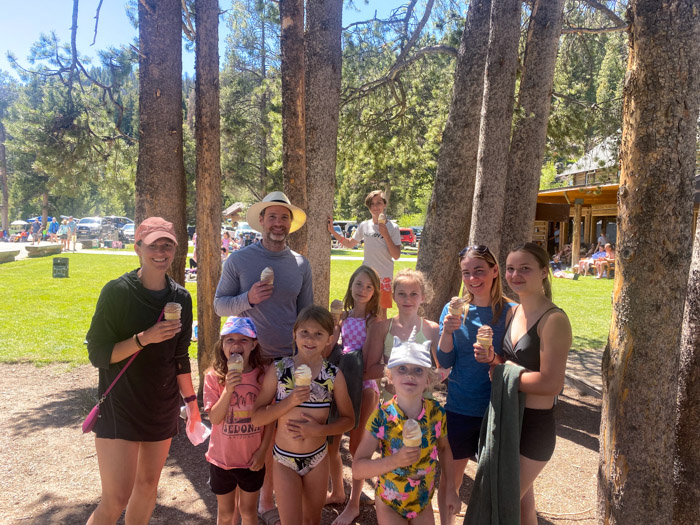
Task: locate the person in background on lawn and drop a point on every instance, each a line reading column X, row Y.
column 71, row 231
column 382, row 244
column 538, row 337
column 409, row 457
column 361, row 305
column 36, row 232
column 301, row 412
column 237, row 448
column 602, row 264
column 63, row 235
column 53, row 230
column 469, row 385
column 226, row 241
column 140, row 415
column 273, row 307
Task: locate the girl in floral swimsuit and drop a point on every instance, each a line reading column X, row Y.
column 300, row 470
column 407, row 473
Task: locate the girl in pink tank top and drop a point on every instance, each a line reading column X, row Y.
column 361, row 306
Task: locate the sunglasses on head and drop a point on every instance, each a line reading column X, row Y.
column 478, row 248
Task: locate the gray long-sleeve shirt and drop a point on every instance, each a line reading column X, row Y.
column 274, row 318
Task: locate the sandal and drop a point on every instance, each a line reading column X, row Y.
column 270, row 517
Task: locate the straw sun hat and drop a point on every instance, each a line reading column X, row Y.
column 276, row 198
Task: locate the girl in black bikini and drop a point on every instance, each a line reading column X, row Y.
column 538, row 337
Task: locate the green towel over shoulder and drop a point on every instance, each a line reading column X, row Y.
column 495, row 498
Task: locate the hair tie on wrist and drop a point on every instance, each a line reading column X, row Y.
column 138, row 343
column 494, row 357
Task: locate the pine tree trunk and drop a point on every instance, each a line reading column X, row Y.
column 687, row 467
column 264, row 120
column 160, row 173
column 640, row 364
column 496, row 119
column 530, row 127
column 293, row 112
column 323, row 63
column 3, row 181
column 450, row 208
column 208, row 177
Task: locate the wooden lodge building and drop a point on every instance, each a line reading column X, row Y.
column 587, row 205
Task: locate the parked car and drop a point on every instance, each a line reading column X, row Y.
column 116, row 221
column 90, row 228
column 407, row 236
column 418, row 231
column 126, row 233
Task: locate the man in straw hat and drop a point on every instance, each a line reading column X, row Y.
column 272, row 307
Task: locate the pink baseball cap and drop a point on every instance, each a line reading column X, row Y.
column 154, row 228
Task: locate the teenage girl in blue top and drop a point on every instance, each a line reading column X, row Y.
column 469, row 385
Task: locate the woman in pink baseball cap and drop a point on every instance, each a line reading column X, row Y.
column 139, row 416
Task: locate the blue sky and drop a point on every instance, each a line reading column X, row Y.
column 23, row 22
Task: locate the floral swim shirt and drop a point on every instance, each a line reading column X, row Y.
column 408, row 490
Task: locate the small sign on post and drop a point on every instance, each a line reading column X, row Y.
column 60, row 267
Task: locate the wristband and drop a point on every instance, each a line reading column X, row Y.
column 138, row 343
column 191, row 398
column 494, row 357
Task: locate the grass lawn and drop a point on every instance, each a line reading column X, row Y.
column 44, row 320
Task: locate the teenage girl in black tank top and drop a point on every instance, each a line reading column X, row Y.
column 538, row 337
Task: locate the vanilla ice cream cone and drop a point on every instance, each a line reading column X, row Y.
column 412, row 435
column 456, row 306
column 337, row 309
column 172, row 311
column 302, row 375
column 235, row 362
column 381, row 219
column 267, row 275
column 484, row 336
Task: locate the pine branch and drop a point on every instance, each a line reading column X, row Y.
column 607, row 12
column 187, row 26
column 366, row 89
column 593, row 30
column 97, row 21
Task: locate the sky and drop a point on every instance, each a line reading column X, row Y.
column 23, row 22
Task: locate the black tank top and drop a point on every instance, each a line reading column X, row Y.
column 527, row 350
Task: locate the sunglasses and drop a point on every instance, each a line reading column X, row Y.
column 478, row 248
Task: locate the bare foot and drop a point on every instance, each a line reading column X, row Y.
column 348, row 516
column 334, row 499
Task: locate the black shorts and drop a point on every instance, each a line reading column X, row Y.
column 463, row 434
column 224, row 481
column 538, row 435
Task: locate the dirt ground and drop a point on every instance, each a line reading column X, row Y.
column 50, row 473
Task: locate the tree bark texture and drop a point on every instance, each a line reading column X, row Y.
column 450, row 208
column 208, row 177
column 3, row 181
column 530, row 125
column 160, row 172
column 657, row 164
column 496, row 120
column 687, row 466
column 293, row 111
column 323, row 73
